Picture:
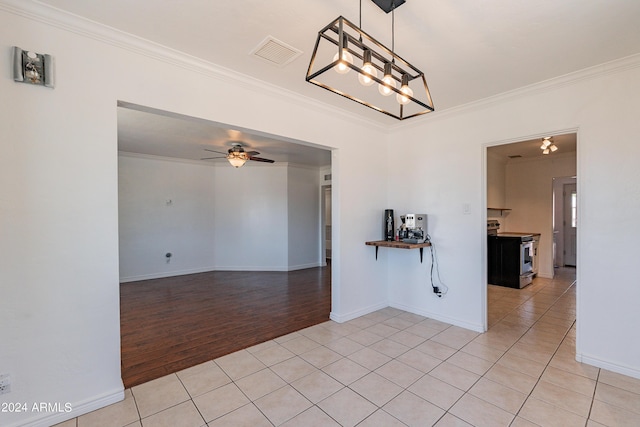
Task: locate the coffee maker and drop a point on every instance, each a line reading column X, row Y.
column 413, row 228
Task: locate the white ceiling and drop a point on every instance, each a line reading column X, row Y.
column 468, row 49
column 153, row 132
column 566, row 143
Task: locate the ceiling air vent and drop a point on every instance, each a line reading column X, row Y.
column 275, row 51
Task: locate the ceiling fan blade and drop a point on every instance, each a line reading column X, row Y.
column 213, row 151
column 260, row 159
column 209, row 158
column 252, row 153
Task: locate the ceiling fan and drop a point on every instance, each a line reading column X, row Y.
column 237, row 156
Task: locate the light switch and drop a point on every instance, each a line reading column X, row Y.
column 466, row 208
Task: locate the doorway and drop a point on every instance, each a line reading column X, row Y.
column 570, row 204
column 189, row 225
column 326, row 224
column 565, row 221
column 521, row 185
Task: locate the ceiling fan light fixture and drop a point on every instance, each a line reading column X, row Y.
column 237, row 159
column 237, row 156
column 547, row 145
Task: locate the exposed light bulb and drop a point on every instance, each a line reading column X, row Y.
column 368, row 70
column 406, row 90
column 388, row 79
column 342, row 67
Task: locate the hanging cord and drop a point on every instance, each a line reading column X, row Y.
column 360, row 23
column 393, row 32
column 442, row 289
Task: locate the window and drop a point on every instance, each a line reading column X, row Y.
column 574, row 209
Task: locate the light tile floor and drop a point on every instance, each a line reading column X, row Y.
column 393, row 368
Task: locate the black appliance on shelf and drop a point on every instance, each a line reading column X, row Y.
column 389, row 227
column 510, row 257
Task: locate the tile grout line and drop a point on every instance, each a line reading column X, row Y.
column 510, row 347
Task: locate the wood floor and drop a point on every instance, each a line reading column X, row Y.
column 173, row 323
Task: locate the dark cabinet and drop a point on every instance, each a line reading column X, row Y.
column 504, row 261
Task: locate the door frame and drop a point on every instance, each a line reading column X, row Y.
column 483, row 225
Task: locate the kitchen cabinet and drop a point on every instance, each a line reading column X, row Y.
column 504, row 262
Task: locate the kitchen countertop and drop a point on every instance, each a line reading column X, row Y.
column 516, row 234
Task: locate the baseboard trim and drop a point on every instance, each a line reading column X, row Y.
column 80, row 408
column 446, row 319
column 341, row 318
column 304, row 266
column 165, row 274
column 620, row 369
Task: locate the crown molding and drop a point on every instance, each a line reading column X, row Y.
column 58, row 18
column 84, row 27
column 593, row 72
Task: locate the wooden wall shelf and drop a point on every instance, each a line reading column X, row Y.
column 502, row 210
column 398, row 245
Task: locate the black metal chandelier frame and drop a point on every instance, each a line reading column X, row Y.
column 348, row 37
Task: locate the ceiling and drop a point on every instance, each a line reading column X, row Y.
column 566, row 143
column 468, row 49
column 145, row 131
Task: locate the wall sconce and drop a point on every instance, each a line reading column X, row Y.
column 33, row 68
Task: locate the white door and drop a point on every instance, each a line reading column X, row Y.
column 570, row 196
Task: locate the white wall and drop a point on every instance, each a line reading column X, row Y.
column 496, row 186
column 303, row 194
column 446, row 170
column 59, row 311
column 529, row 196
column 258, row 218
column 165, row 206
column 250, row 218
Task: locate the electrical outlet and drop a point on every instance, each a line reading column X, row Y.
column 5, row 384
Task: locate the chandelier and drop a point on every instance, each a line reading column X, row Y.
column 342, row 47
column 547, row 145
